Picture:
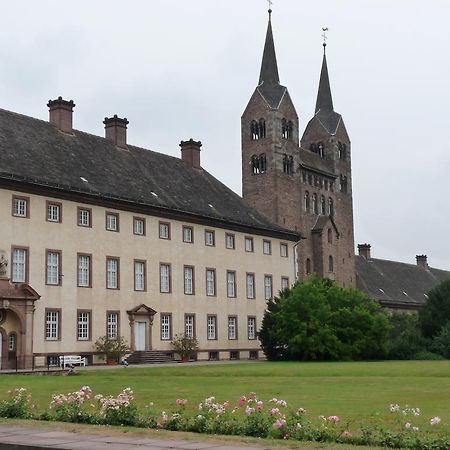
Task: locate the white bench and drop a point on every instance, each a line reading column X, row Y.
column 71, row 360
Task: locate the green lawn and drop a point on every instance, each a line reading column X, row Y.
column 357, row 392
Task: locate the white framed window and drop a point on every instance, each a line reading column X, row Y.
column 267, row 247
column 189, row 325
column 229, row 241
column 164, row 278
column 268, row 291
column 188, row 280
column 232, row 327
column 112, row 222
column 284, row 283
column 212, row 327
column 112, row 273
column 53, row 212
column 166, row 333
column 84, row 217
column 283, row 250
column 164, row 230
column 53, row 261
column 251, row 328
column 249, row 244
column 84, row 270
column 231, row 283
column 139, row 276
column 250, row 282
column 188, row 235
column 211, row 282
column 20, row 206
column 83, row 331
column 52, row 325
column 112, row 325
column 139, row 226
column 209, row 238
column 19, row 265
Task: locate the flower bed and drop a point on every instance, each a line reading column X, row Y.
column 248, row 416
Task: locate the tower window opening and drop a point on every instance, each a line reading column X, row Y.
column 330, row 264
column 330, row 236
column 307, row 201
column 330, row 207
column 344, row 183
column 262, row 128
column 257, row 129
column 315, row 206
column 258, row 163
column 286, row 129
column 342, row 150
column 317, row 148
column 308, row 266
column 288, row 164
column 323, row 206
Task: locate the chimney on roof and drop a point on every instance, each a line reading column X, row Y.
column 364, row 250
column 61, row 113
column 190, row 152
column 422, row 261
column 116, row 130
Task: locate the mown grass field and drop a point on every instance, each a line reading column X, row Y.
column 357, row 392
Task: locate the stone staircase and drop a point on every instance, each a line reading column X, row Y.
column 150, row 357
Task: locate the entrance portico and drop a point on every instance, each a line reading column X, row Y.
column 141, row 322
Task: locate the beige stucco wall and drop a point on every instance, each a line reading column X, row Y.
column 38, row 234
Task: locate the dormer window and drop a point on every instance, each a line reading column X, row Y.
column 286, row 128
column 288, row 164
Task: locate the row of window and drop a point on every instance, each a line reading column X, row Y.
column 317, row 181
column 319, row 149
column 53, row 319
column 53, row 275
column 313, row 205
column 20, row 208
column 258, row 129
column 308, row 264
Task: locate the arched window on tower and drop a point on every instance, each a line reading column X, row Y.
column 320, row 149
column 258, row 163
column 344, row 184
column 323, row 206
column 262, row 128
column 330, row 236
column 315, row 205
column 308, row 266
column 262, row 162
column 307, row 201
column 330, row 264
column 254, row 130
column 288, row 164
column 255, row 164
column 286, row 128
column 342, row 150
column 330, row 207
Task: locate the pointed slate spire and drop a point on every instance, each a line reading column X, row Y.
column 269, row 68
column 324, row 100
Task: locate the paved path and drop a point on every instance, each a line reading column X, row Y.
column 18, row 438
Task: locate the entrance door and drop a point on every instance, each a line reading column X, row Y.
column 140, row 336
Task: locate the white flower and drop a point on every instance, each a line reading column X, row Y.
column 435, row 420
column 394, row 407
column 407, row 425
column 415, row 428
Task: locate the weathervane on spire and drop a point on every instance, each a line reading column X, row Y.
column 325, row 37
column 270, row 7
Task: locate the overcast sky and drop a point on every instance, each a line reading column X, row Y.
column 180, row 69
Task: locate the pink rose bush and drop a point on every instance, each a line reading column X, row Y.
column 247, row 415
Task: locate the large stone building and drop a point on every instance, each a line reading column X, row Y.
column 305, row 187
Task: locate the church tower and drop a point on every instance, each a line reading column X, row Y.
column 307, row 187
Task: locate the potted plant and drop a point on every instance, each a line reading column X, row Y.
column 111, row 349
column 185, row 346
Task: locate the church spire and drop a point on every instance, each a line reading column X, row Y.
column 324, row 100
column 269, row 68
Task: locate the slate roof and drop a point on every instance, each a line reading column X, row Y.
column 33, row 151
column 396, row 284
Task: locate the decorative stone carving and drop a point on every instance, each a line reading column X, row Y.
column 3, row 264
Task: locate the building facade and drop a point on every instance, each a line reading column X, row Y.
column 103, row 238
column 305, row 180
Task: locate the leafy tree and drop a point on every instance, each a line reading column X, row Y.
column 436, row 312
column 319, row 320
column 441, row 342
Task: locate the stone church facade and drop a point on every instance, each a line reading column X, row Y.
column 302, row 182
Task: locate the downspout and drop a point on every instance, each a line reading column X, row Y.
column 296, row 259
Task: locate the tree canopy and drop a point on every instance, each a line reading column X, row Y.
column 435, row 314
column 319, row 320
